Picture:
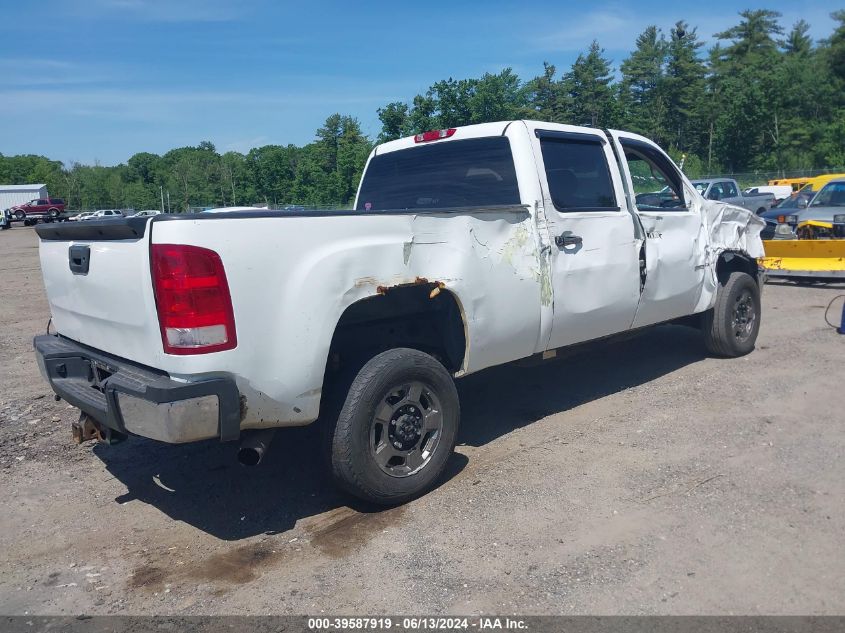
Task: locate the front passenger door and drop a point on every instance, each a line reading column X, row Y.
column 675, row 236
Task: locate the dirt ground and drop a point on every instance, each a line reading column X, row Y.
column 638, row 478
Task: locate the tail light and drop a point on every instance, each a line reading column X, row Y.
column 433, row 135
column 193, row 301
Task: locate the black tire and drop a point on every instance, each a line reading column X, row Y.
column 20, row 215
column 377, row 421
column 731, row 326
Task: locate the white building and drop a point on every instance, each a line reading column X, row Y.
column 11, row 195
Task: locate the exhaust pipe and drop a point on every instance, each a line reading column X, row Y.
column 254, row 446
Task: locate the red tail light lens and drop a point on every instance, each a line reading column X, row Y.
column 192, row 297
column 433, row 135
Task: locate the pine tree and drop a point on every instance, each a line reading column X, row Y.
column 587, row 86
column 545, row 96
column 685, row 91
column 641, row 92
column 797, row 41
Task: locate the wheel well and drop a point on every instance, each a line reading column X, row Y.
column 733, row 261
column 422, row 316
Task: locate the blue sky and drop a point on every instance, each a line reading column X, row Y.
column 98, row 80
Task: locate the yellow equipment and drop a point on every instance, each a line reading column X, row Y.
column 817, row 182
column 807, row 183
column 795, row 183
column 807, row 258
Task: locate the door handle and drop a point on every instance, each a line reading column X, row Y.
column 568, row 239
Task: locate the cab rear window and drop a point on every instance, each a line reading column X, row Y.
column 468, row 173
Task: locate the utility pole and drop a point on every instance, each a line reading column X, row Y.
column 168, row 201
column 161, row 191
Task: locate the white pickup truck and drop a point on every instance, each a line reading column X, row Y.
column 466, row 248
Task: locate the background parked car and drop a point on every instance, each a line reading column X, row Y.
column 780, row 192
column 145, row 213
column 42, row 208
column 726, row 190
column 103, row 213
column 791, row 206
column 80, row 216
column 828, row 205
column 233, row 209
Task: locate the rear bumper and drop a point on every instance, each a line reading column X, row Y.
column 132, row 399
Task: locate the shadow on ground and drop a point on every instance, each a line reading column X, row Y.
column 203, row 485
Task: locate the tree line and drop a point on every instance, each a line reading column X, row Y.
column 762, row 98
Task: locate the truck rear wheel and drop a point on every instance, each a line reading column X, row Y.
column 396, row 428
column 731, row 326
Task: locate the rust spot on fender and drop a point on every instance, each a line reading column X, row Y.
column 418, row 281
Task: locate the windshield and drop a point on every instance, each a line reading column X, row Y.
column 831, row 195
column 792, row 201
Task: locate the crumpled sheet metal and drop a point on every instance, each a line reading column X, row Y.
column 733, row 228
column 730, row 229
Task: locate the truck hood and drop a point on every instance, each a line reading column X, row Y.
column 822, row 214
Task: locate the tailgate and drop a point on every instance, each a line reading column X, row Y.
column 97, row 277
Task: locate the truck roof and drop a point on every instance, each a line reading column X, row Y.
column 462, row 132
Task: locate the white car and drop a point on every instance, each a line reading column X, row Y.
column 780, row 192
column 233, row 209
column 145, row 213
column 466, row 248
column 103, row 213
column 80, row 216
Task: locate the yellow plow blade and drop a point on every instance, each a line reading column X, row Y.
column 804, row 258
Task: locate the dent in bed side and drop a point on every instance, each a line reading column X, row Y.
column 289, row 294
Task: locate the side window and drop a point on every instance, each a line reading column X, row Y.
column 716, row 192
column 578, row 175
column 657, row 184
column 730, row 190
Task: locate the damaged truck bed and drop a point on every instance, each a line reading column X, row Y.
column 467, row 248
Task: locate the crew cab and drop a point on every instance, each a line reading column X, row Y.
column 727, row 190
column 466, row 248
column 41, row 208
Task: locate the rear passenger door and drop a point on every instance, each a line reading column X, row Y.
column 594, row 260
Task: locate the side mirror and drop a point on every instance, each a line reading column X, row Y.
column 803, row 203
column 714, row 194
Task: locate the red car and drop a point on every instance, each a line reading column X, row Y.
column 43, row 208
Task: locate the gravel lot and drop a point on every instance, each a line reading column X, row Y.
column 642, row 477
